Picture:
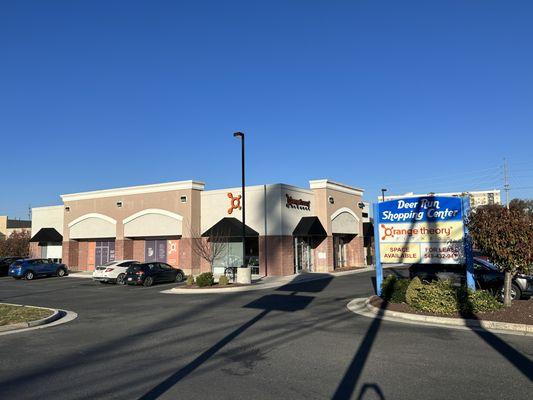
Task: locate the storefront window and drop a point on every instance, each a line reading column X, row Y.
column 232, row 255
column 104, row 252
column 155, row 251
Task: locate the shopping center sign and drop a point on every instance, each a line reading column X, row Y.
column 426, row 230
column 421, row 230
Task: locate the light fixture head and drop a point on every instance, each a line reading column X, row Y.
column 238, row 134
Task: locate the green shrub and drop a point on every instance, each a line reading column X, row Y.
column 223, row 280
column 414, row 286
column 478, row 301
column 437, row 297
column 205, row 279
column 393, row 289
column 443, row 297
column 190, row 280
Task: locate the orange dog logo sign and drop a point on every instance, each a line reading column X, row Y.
column 235, row 203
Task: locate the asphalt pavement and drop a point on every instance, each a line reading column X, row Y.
column 295, row 342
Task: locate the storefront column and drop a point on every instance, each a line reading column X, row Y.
column 355, row 252
column 70, row 254
column 83, row 256
column 124, row 249
column 190, row 262
column 138, row 250
column 35, row 250
column 276, row 253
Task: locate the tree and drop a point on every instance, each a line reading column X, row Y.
column 209, row 248
column 523, row 205
column 506, row 237
column 16, row 245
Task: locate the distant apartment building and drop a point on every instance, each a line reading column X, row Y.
column 8, row 226
column 477, row 198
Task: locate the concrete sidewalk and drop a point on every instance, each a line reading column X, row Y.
column 80, row 274
column 269, row 282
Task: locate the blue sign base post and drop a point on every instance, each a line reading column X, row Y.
column 379, row 267
column 469, row 257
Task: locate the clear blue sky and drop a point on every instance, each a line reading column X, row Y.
column 410, row 95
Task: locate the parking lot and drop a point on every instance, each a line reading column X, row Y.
column 298, row 341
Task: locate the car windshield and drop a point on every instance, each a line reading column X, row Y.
column 486, row 264
column 17, row 263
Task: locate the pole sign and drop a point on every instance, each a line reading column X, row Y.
column 425, row 230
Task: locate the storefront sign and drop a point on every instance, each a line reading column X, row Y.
column 421, row 230
column 173, row 252
column 235, row 202
column 297, row 203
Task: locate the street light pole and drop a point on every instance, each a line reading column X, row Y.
column 243, row 198
column 383, row 194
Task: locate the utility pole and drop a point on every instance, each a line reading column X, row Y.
column 29, row 212
column 506, row 181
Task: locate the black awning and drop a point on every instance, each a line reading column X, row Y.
column 309, row 226
column 368, row 229
column 47, row 235
column 229, row 227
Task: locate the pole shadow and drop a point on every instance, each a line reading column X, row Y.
column 268, row 303
column 347, row 385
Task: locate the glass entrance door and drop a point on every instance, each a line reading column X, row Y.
column 303, row 256
column 104, row 252
column 339, row 252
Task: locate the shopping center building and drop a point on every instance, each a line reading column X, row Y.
column 288, row 229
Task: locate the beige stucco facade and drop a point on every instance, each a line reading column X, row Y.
column 164, row 220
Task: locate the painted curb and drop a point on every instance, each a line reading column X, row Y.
column 56, row 318
column 362, row 306
column 80, row 275
column 261, row 286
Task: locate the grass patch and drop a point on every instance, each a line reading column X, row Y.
column 14, row 314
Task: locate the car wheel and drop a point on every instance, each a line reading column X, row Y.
column 60, row 272
column 148, row 281
column 29, row 275
column 120, row 279
column 516, row 293
column 180, row 277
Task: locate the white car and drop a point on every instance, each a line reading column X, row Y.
column 113, row 271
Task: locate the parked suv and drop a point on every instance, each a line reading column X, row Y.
column 113, row 271
column 149, row 273
column 33, row 267
column 486, row 276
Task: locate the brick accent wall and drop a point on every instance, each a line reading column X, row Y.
column 83, row 255
column 123, row 249
column 355, row 252
column 127, row 249
column 189, row 261
column 276, row 255
column 204, row 264
column 324, row 247
column 70, row 254
column 35, row 250
column 137, row 250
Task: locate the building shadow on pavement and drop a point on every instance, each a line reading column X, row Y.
column 272, row 302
